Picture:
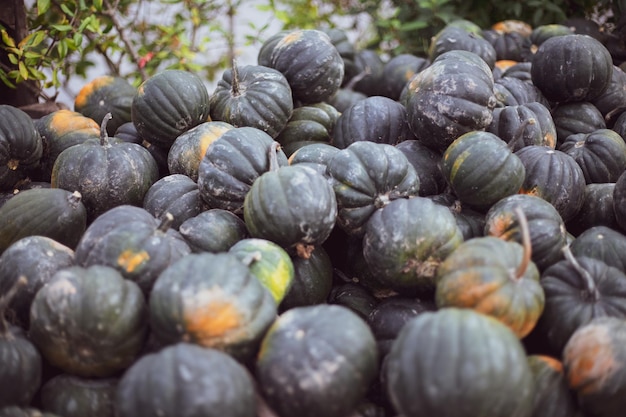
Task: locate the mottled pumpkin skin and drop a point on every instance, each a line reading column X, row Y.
column 316, row 361
column 553, row 397
column 21, row 370
column 218, row 303
column 176, row 194
column 576, row 117
column 72, row 396
column 426, row 367
column 596, row 210
column 524, row 124
column 213, row 230
column 452, row 37
column 398, row 71
column 594, row 360
column 426, row 163
column 602, row 243
column 311, row 124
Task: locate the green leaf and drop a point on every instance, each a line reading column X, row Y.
column 62, row 49
column 6, row 39
column 67, row 10
column 98, row 5
column 23, row 70
column 78, row 38
column 62, row 28
column 42, row 6
column 13, row 59
column 414, row 25
column 6, row 80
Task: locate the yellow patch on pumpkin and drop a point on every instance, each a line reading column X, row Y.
column 67, row 121
column 130, row 260
column 553, row 363
column 83, row 95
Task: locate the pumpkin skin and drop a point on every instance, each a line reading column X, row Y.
column 596, row 210
column 471, row 222
column 314, row 155
column 397, row 71
column 307, row 125
column 601, row 154
column 523, row 125
column 132, row 241
column 311, row 64
column 293, row 206
column 593, row 359
column 405, row 242
column 191, row 381
column 21, row 216
column 14, row 411
column 371, row 80
column 213, row 230
column 72, row 396
column 232, row 163
column 507, row 45
column 188, row 149
column 36, row 258
column 106, row 94
column 553, row 398
column 572, row 68
column 339, row 38
column 619, row 201
column 21, row 145
column 576, row 117
column 453, row 96
column 176, row 194
column 89, row 321
column 539, row 35
column 478, row 183
column 316, row 361
column 353, row 296
column 602, row 243
column 452, row 37
column 614, row 97
column 426, row 164
column 418, row 386
column 220, row 304
column 108, row 173
column 376, row 119
column 554, row 176
column 168, row 104
column 254, row 96
column 366, row 176
column 513, row 91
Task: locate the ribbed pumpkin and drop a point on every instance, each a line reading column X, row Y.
column 576, row 117
column 507, row 44
column 213, row 230
column 553, row 397
column 218, row 303
column 370, row 81
column 397, row 72
column 316, row 361
column 513, row 91
column 106, row 94
column 523, row 125
column 132, row 241
column 353, row 296
column 254, row 96
column 453, row 37
column 602, row 243
column 72, row 396
column 619, row 201
column 539, row 35
column 366, row 176
column 426, row 163
column 427, row 371
column 596, row 210
column 314, row 155
column 309, row 124
column 190, row 381
column 614, row 97
column 176, row 194
column 481, row 169
column 168, row 104
column 64, row 211
column 89, row 321
column 405, row 242
column 470, row 221
column 107, row 172
column 232, row 163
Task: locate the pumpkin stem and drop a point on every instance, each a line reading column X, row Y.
column 519, row 134
column 235, row 82
column 273, row 156
column 367, row 71
column 103, row 129
column 166, row 222
column 75, row 198
column 6, row 300
column 592, row 289
column 525, row 231
column 251, row 258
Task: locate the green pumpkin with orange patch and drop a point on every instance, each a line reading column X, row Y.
column 553, row 398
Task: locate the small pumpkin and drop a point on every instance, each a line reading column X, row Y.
column 453, row 37
column 213, row 230
column 73, row 396
column 511, row 90
column 176, row 194
column 354, row 296
column 596, row 210
column 309, row 124
column 523, row 125
column 553, row 397
column 314, row 155
column 426, row 163
column 398, row 70
column 602, row 243
column 576, row 117
column 539, row 35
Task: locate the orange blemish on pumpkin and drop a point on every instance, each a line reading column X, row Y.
column 550, row 140
column 211, row 315
column 467, row 289
column 211, row 136
column 292, row 37
column 589, row 359
column 67, row 121
column 500, row 225
column 89, row 88
column 503, row 64
column 553, row 363
column 533, row 191
column 130, row 260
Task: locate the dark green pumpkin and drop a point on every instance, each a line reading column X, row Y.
column 397, row 71
column 168, row 104
column 213, row 230
column 507, row 44
column 614, row 97
column 470, row 221
column 354, row 296
column 232, row 163
column 345, row 98
column 539, row 35
column 576, row 117
column 135, row 243
column 307, row 125
column 254, row 96
column 553, row 397
column 264, row 57
column 347, row 51
column 128, row 133
column 513, row 91
column 314, row 155
column 426, row 163
column 405, row 242
column 427, row 372
column 366, row 176
column 176, row 194
column 14, row 411
column 107, row 172
column 370, row 81
column 106, row 94
column 523, row 125
column 619, row 201
column 218, row 304
column 602, row 243
column 453, row 37
column 316, row 361
column 64, row 211
column 72, row 396
column 190, row 381
column 89, row 322
column 481, row 169
column 596, row 210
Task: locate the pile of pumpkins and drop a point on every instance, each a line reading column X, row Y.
column 327, row 233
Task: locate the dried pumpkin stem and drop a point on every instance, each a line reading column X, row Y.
column 526, row 243
column 519, row 134
column 166, row 222
column 6, row 300
column 273, row 156
column 103, row 129
column 235, row 82
column 592, row 289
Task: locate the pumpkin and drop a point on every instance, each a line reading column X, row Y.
column 21, row 146
column 268, row 262
column 316, row 361
column 619, row 201
column 64, row 211
column 481, row 169
column 106, row 94
column 132, row 241
column 21, row 371
column 397, row 71
column 254, row 96
column 213, row 230
column 176, row 194
column 314, row 155
column 15, row 411
column 35, row 258
column 405, row 242
column 576, row 117
column 366, row 176
column 614, row 97
column 553, row 397
column 453, row 37
column 426, row 374
column 376, row 119
column 507, row 45
column 521, row 71
column 602, row 243
column 470, row 221
column 523, row 125
column 128, row 133
column 311, row 64
column 539, row 35
column 572, row 68
column 293, row 206
column 108, row 173
column 188, row 149
column 347, row 51
column 344, row 98
column 354, row 296
column 190, row 381
column 596, row 210
column 219, row 304
column 232, row 163
column 89, row 322
column 264, row 56
column 593, row 359
column 309, row 124
column 371, row 80
column 513, row 91
column 601, row 154
column 453, row 96
column 168, row 104
column 72, row 396
column 426, row 163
